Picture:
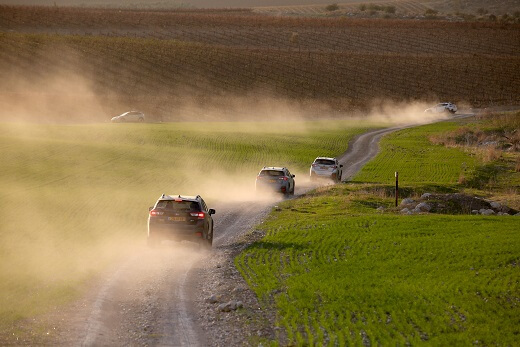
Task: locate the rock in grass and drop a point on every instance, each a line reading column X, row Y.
column 380, row 209
column 423, row 207
column 425, row 196
column 486, row 212
column 495, row 205
column 405, row 210
column 474, row 211
column 407, row 201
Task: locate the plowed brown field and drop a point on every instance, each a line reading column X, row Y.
column 153, row 59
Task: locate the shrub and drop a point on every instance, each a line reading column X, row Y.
column 390, row 9
column 482, row 11
column 332, row 7
column 362, row 7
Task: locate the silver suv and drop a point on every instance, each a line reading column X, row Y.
column 442, row 107
column 277, row 179
column 324, row 167
column 131, row 116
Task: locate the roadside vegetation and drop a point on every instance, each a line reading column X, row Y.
column 343, row 266
column 75, row 197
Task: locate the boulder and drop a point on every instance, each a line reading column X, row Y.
column 486, row 212
column 495, row 205
column 405, row 210
column 423, row 207
column 407, row 201
column 380, row 209
column 425, row 196
column 474, row 211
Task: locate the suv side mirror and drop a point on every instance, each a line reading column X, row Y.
column 211, row 211
column 150, row 208
column 293, row 176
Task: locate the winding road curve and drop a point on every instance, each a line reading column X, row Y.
column 149, row 299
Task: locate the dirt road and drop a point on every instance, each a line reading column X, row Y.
column 157, row 297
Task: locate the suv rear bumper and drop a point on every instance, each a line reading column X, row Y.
column 175, row 232
column 326, row 174
column 280, row 186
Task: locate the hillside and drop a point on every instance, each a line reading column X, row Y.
column 159, row 61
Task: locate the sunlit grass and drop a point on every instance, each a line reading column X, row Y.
column 417, row 160
column 338, row 272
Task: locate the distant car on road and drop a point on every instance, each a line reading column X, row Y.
column 131, row 116
column 277, row 179
column 442, row 107
column 325, row 167
column 177, row 218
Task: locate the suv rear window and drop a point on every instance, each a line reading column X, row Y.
column 324, row 162
column 275, row 173
column 182, row 206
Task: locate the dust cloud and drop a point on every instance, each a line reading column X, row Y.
column 59, row 232
column 404, row 112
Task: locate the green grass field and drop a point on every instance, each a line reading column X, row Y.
column 418, row 162
column 338, row 272
column 75, row 197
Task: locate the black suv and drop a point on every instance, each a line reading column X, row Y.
column 180, row 218
column 277, row 179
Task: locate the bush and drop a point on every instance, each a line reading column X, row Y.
column 332, row 7
column 362, row 7
column 482, row 11
column 390, row 9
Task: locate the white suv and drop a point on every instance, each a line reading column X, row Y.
column 442, row 107
column 131, row 116
column 324, row 167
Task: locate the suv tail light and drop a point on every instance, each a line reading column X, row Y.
column 283, row 178
column 199, row 215
column 334, row 167
column 154, row 213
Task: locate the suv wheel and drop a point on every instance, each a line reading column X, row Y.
column 206, row 243
column 141, row 120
